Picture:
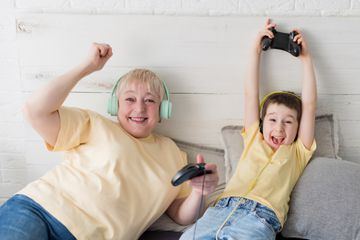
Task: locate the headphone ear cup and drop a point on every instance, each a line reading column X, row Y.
column 113, row 105
column 165, row 109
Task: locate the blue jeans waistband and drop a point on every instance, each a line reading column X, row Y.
column 234, row 201
column 251, row 206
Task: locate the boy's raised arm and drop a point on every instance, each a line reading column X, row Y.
column 251, row 83
column 308, row 94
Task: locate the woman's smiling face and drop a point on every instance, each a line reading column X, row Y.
column 138, row 110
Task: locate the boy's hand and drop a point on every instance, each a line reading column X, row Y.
column 266, row 32
column 299, row 39
column 211, row 179
column 98, row 56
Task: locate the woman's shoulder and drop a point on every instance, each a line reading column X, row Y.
column 164, row 139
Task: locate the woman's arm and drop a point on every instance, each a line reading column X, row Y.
column 185, row 211
column 41, row 109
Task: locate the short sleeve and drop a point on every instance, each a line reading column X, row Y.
column 250, row 133
column 74, row 130
column 304, row 154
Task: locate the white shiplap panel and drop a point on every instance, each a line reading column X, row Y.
column 10, row 106
column 211, row 50
column 137, row 40
column 221, row 106
column 201, row 80
column 202, row 59
column 199, row 117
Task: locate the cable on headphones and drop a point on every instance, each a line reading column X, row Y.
column 250, row 188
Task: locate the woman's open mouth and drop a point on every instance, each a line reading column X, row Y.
column 138, row 119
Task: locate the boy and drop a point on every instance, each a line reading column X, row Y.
column 278, row 145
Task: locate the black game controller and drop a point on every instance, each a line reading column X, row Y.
column 188, row 172
column 282, row 41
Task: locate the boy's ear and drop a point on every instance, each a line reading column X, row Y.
column 261, row 125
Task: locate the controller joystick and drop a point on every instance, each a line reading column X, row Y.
column 282, row 41
column 188, row 172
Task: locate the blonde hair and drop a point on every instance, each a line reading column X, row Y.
column 144, row 77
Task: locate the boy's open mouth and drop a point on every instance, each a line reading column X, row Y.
column 277, row 140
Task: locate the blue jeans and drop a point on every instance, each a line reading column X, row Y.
column 250, row 221
column 21, row 218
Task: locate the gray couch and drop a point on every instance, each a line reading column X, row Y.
column 325, row 203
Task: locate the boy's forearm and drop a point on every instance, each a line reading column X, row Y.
column 252, row 79
column 309, row 88
column 251, row 90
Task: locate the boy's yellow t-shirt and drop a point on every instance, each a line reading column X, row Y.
column 266, row 176
column 110, row 184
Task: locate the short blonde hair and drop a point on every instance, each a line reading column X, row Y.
column 145, row 77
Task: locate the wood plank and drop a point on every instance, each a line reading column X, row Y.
column 213, row 50
column 221, row 106
column 203, row 61
column 198, row 118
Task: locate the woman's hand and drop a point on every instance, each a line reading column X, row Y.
column 98, row 56
column 207, row 185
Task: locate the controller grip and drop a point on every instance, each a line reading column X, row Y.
column 295, row 51
column 265, row 43
column 188, row 172
column 294, row 48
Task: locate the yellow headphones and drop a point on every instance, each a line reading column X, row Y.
column 273, row 93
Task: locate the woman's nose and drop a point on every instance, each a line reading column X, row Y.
column 140, row 106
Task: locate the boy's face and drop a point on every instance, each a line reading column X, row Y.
column 280, row 125
column 138, row 110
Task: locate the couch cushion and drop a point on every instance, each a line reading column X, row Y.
column 325, row 202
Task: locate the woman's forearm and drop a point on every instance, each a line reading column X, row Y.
column 50, row 98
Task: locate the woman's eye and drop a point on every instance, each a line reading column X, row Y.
column 149, row 100
column 130, row 99
column 272, row 120
column 288, row 122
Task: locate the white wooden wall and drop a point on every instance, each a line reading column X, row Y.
column 202, row 59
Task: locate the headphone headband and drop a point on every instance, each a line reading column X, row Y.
column 115, row 86
column 166, row 90
column 165, row 106
column 276, row 92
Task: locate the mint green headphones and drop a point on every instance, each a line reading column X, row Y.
column 165, row 106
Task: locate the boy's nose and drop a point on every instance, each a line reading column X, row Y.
column 279, row 127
